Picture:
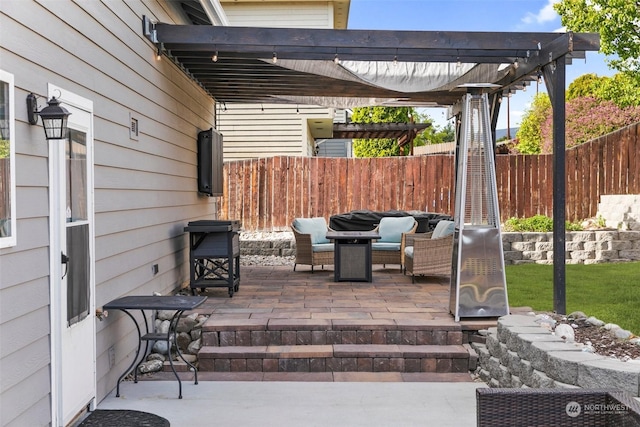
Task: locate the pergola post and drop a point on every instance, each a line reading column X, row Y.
column 555, row 73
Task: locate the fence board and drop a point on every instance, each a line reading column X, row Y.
column 634, row 163
column 268, row 193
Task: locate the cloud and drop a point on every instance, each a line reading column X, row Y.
column 544, row 15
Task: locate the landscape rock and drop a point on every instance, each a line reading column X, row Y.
column 565, row 332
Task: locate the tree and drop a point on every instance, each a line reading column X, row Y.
column 617, row 22
column 379, row 147
column 585, row 85
column 621, row 89
column 435, row 135
column 529, row 136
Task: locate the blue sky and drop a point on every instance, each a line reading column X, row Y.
column 473, row 15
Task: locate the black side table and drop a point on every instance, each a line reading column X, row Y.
column 179, row 303
column 352, row 255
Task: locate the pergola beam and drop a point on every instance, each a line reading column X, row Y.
column 380, row 45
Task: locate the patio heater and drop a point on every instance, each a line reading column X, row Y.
column 478, row 285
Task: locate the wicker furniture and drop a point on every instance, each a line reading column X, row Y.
column 389, row 248
column 429, row 254
column 352, row 255
column 312, row 247
column 497, row 407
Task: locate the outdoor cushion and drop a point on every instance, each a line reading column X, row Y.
column 385, row 246
column 408, row 251
column 316, row 227
column 443, row 229
column 390, row 229
column 322, row 247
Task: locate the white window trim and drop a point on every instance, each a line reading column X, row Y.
column 6, row 242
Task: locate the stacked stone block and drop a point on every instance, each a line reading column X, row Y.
column 521, row 353
column 582, row 247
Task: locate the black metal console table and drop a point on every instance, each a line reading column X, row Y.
column 179, row 303
column 214, row 254
column 352, row 255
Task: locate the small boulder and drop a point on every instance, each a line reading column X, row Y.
column 565, row 332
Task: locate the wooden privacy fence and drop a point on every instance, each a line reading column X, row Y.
column 268, row 193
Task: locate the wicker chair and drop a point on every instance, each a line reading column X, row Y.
column 427, row 256
column 305, row 253
column 391, row 252
column 497, row 407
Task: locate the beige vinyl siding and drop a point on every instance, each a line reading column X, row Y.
column 255, row 130
column 250, row 132
column 287, row 15
column 145, row 189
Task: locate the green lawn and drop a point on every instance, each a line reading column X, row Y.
column 610, row 292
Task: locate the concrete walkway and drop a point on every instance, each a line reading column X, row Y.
column 306, row 404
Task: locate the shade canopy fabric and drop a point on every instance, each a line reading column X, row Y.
column 339, row 68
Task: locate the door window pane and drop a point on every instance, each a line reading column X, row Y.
column 77, row 273
column 76, row 154
column 7, row 163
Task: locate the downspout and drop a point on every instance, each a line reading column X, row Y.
column 214, row 12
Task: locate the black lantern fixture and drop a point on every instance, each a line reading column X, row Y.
column 54, row 117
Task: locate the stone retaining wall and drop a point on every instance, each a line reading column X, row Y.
column 519, row 352
column 582, row 247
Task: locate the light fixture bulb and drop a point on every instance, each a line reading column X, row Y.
column 395, row 60
column 158, row 54
column 516, row 64
column 336, row 60
column 214, row 58
column 275, row 57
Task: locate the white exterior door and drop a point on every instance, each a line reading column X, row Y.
column 72, row 262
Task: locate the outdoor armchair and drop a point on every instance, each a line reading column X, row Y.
column 389, row 248
column 429, row 254
column 312, row 246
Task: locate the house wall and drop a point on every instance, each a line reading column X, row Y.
column 266, row 130
column 145, row 189
column 303, row 14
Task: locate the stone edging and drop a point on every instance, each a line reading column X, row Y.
column 519, row 352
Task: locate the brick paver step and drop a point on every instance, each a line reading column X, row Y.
column 305, row 332
column 335, row 358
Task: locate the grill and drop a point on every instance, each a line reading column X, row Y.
column 214, row 255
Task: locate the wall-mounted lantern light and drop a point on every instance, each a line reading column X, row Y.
column 54, row 117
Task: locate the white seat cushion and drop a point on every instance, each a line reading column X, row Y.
column 316, row 227
column 322, row 247
column 443, row 229
column 408, row 251
column 385, row 246
column 390, row 228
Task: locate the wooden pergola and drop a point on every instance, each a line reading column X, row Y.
column 241, row 65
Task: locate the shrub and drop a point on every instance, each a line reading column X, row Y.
column 537, row 223
column 587, row 119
